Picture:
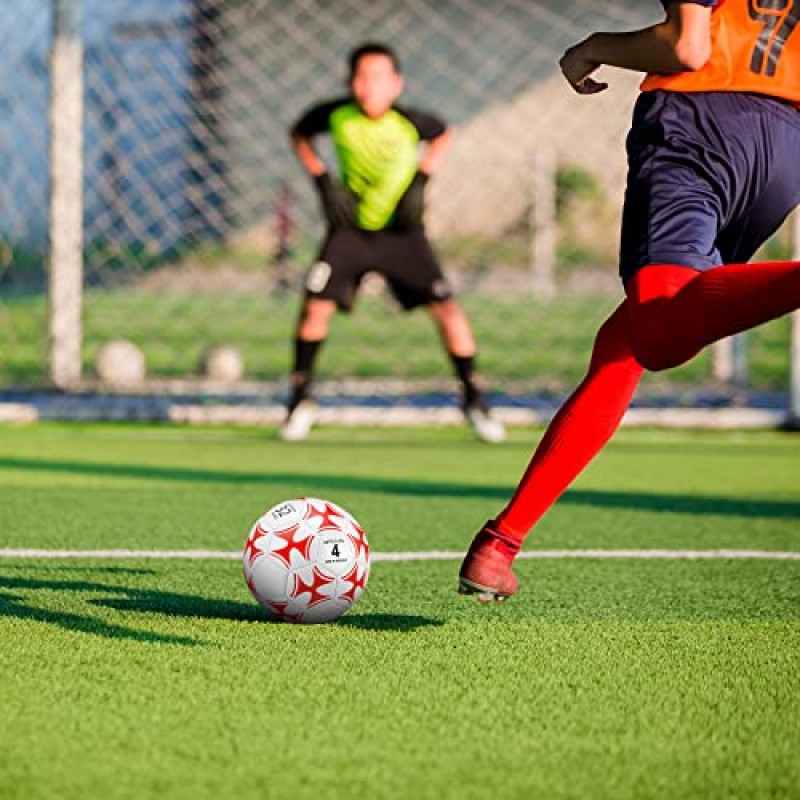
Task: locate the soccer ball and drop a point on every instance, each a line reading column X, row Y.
column 306, row 560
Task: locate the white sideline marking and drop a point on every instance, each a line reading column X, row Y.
column 429, row 555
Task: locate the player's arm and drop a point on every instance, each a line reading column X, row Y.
column 681, row 43
column 307, row 155
column 437, row 139
column 339, row 205
column 435, row 153
column 410, row 208
column 313, row 122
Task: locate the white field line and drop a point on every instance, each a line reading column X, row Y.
column 424, row 555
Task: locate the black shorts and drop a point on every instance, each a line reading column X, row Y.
column 405, row 259
column 711, row 177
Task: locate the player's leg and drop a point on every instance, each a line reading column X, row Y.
column 576, row 434
column 672, row 215
column 709, row 193
column 696, row 311
column 312, row 330
column 698, row 308
column 330, row 284
column 591, row 415
column 415, row 278
column 458, row 341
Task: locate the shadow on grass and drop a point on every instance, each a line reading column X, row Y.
column 126, row 599
column 148, row 601
column 401, row 623
column 324, row 483
column 169, row 604
column 180, row 605
column 14, row 606
column 25, row 566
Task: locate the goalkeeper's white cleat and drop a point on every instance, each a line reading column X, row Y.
column 299, row 422
column 484, row 425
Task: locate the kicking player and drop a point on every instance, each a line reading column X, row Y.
column 375, row 223
column 714, row 169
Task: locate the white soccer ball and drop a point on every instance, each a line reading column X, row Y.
column 120, row 364
column 223, row 364
column 306, row 560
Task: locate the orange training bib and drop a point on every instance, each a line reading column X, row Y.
column 755, row 46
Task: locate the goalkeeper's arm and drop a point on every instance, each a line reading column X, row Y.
column 339, row 204
column 411, row 206
column 435, row 153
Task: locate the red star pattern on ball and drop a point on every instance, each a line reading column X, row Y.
column 291, row 542
column 250, row 550
column 327, row 514
column 318, row 581
column 359, row 541
column 278, row 609
column 358, row 583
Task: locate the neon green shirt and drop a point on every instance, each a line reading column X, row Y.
column 377, row 157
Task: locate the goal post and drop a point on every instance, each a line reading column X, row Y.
column 65, row 252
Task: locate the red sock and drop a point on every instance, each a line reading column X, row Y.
column 676, row 311
column 580, row 429
column 670, row 314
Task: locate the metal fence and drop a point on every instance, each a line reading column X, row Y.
column 145, row 154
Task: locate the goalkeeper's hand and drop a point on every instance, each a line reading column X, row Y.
column 410, row 208
column 339, row 204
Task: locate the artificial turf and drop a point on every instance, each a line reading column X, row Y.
column 609, row 678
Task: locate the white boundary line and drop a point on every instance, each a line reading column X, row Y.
column 429, row 555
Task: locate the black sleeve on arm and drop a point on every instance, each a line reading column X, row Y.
column 706, row 3
column 316, row 120
column 429, row 126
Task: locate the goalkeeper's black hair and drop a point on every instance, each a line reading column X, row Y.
column 372, row 49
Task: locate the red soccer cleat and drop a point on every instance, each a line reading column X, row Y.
column 486, row 571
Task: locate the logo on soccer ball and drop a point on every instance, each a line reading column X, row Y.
column 306, row 560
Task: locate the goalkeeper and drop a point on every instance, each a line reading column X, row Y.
column 374, row 216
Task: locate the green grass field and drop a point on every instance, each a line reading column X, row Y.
column 544, row 345
column 602, row 678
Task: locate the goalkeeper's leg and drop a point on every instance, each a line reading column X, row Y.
column 458, row 341
column 312, row 329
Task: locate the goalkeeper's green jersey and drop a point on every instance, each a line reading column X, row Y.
column 377, row 157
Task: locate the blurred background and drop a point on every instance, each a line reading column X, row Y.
column 155, row 227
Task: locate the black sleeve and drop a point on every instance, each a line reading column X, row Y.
column 429, row 126
column 706, row 3
column 316, row 120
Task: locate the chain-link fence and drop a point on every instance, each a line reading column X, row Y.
column 198, row 224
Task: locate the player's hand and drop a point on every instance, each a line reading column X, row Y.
column 577, row 68
column 410, row 208
column 339, row 204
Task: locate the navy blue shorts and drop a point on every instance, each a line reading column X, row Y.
column 405, row 259
column 711, row 176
